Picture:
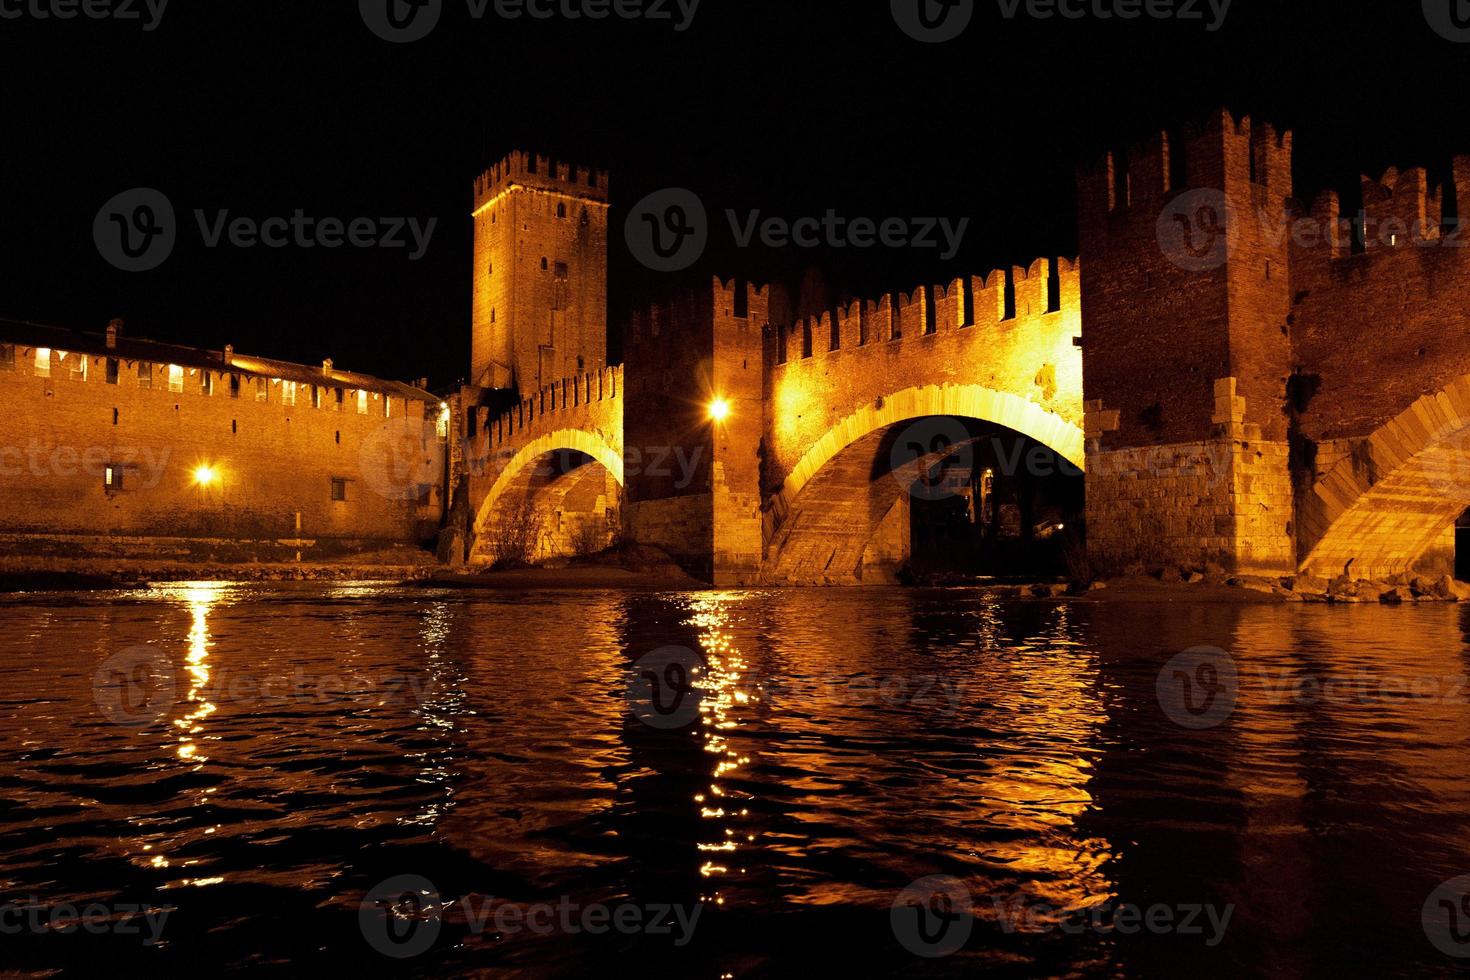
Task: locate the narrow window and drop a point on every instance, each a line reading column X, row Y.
column 79, row 367
column 337, row 394
column 339, row 489
column 262, row 390
column 206, row 383
column 387, row 406
column 112, row 370
column 316, row 396
column 561, row 210
column 543, row 263
column 145, row 375
column 7, row 357
column 175, row 378
column 43, row 362
column 112, row 477
column 288, row 393
column 362, row 401
column 234, row 386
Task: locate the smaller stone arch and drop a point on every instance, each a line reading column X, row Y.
column 515, row 471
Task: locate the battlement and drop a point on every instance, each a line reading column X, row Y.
column 1017, row 296
column 1206, row 153
column 532, row 171
column 699, row 308
column 560, row 397
column 1400, row 210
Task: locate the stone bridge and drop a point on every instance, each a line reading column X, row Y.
column 544, row 478
column 830, row 421
column 1245, row 382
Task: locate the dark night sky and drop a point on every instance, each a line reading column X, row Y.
column 265, row 106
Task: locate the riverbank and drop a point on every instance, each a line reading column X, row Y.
column 53, row 574
column 1201, row 587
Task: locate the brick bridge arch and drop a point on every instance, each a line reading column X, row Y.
column 1393, row 496
column 556, row 458
column 841, row 510
column 1001, row 350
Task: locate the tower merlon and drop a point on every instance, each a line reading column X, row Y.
column 534, row 172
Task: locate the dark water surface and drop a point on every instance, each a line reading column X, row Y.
column 250, row 763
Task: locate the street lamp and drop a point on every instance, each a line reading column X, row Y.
column 719, row 410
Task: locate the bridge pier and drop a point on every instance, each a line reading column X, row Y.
column 695, row 369
column 1186, row 297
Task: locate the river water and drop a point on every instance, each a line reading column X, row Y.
column 925, row 782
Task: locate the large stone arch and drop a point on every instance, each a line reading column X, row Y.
column 525, row 476
column 1395, row 495
column 854, row 514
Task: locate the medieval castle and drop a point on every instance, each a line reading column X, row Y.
column 1242, row 380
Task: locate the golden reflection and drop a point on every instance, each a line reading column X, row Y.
column 196, row 664
column 724, row 689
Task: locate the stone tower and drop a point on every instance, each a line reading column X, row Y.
column 540, row 273
column 1186, row 298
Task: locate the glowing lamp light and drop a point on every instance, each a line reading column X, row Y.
column 719, row 410
column 205, row 475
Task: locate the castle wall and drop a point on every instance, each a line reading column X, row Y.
column 274, row 464
column 1374, row 331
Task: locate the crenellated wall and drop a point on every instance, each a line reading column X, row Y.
column 1244, row 384
column 134, row 440
column 963, row 334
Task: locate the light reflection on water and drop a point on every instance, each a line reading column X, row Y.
column 321, row 739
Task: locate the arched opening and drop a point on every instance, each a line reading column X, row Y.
column 560, row 497
column 932, row 499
